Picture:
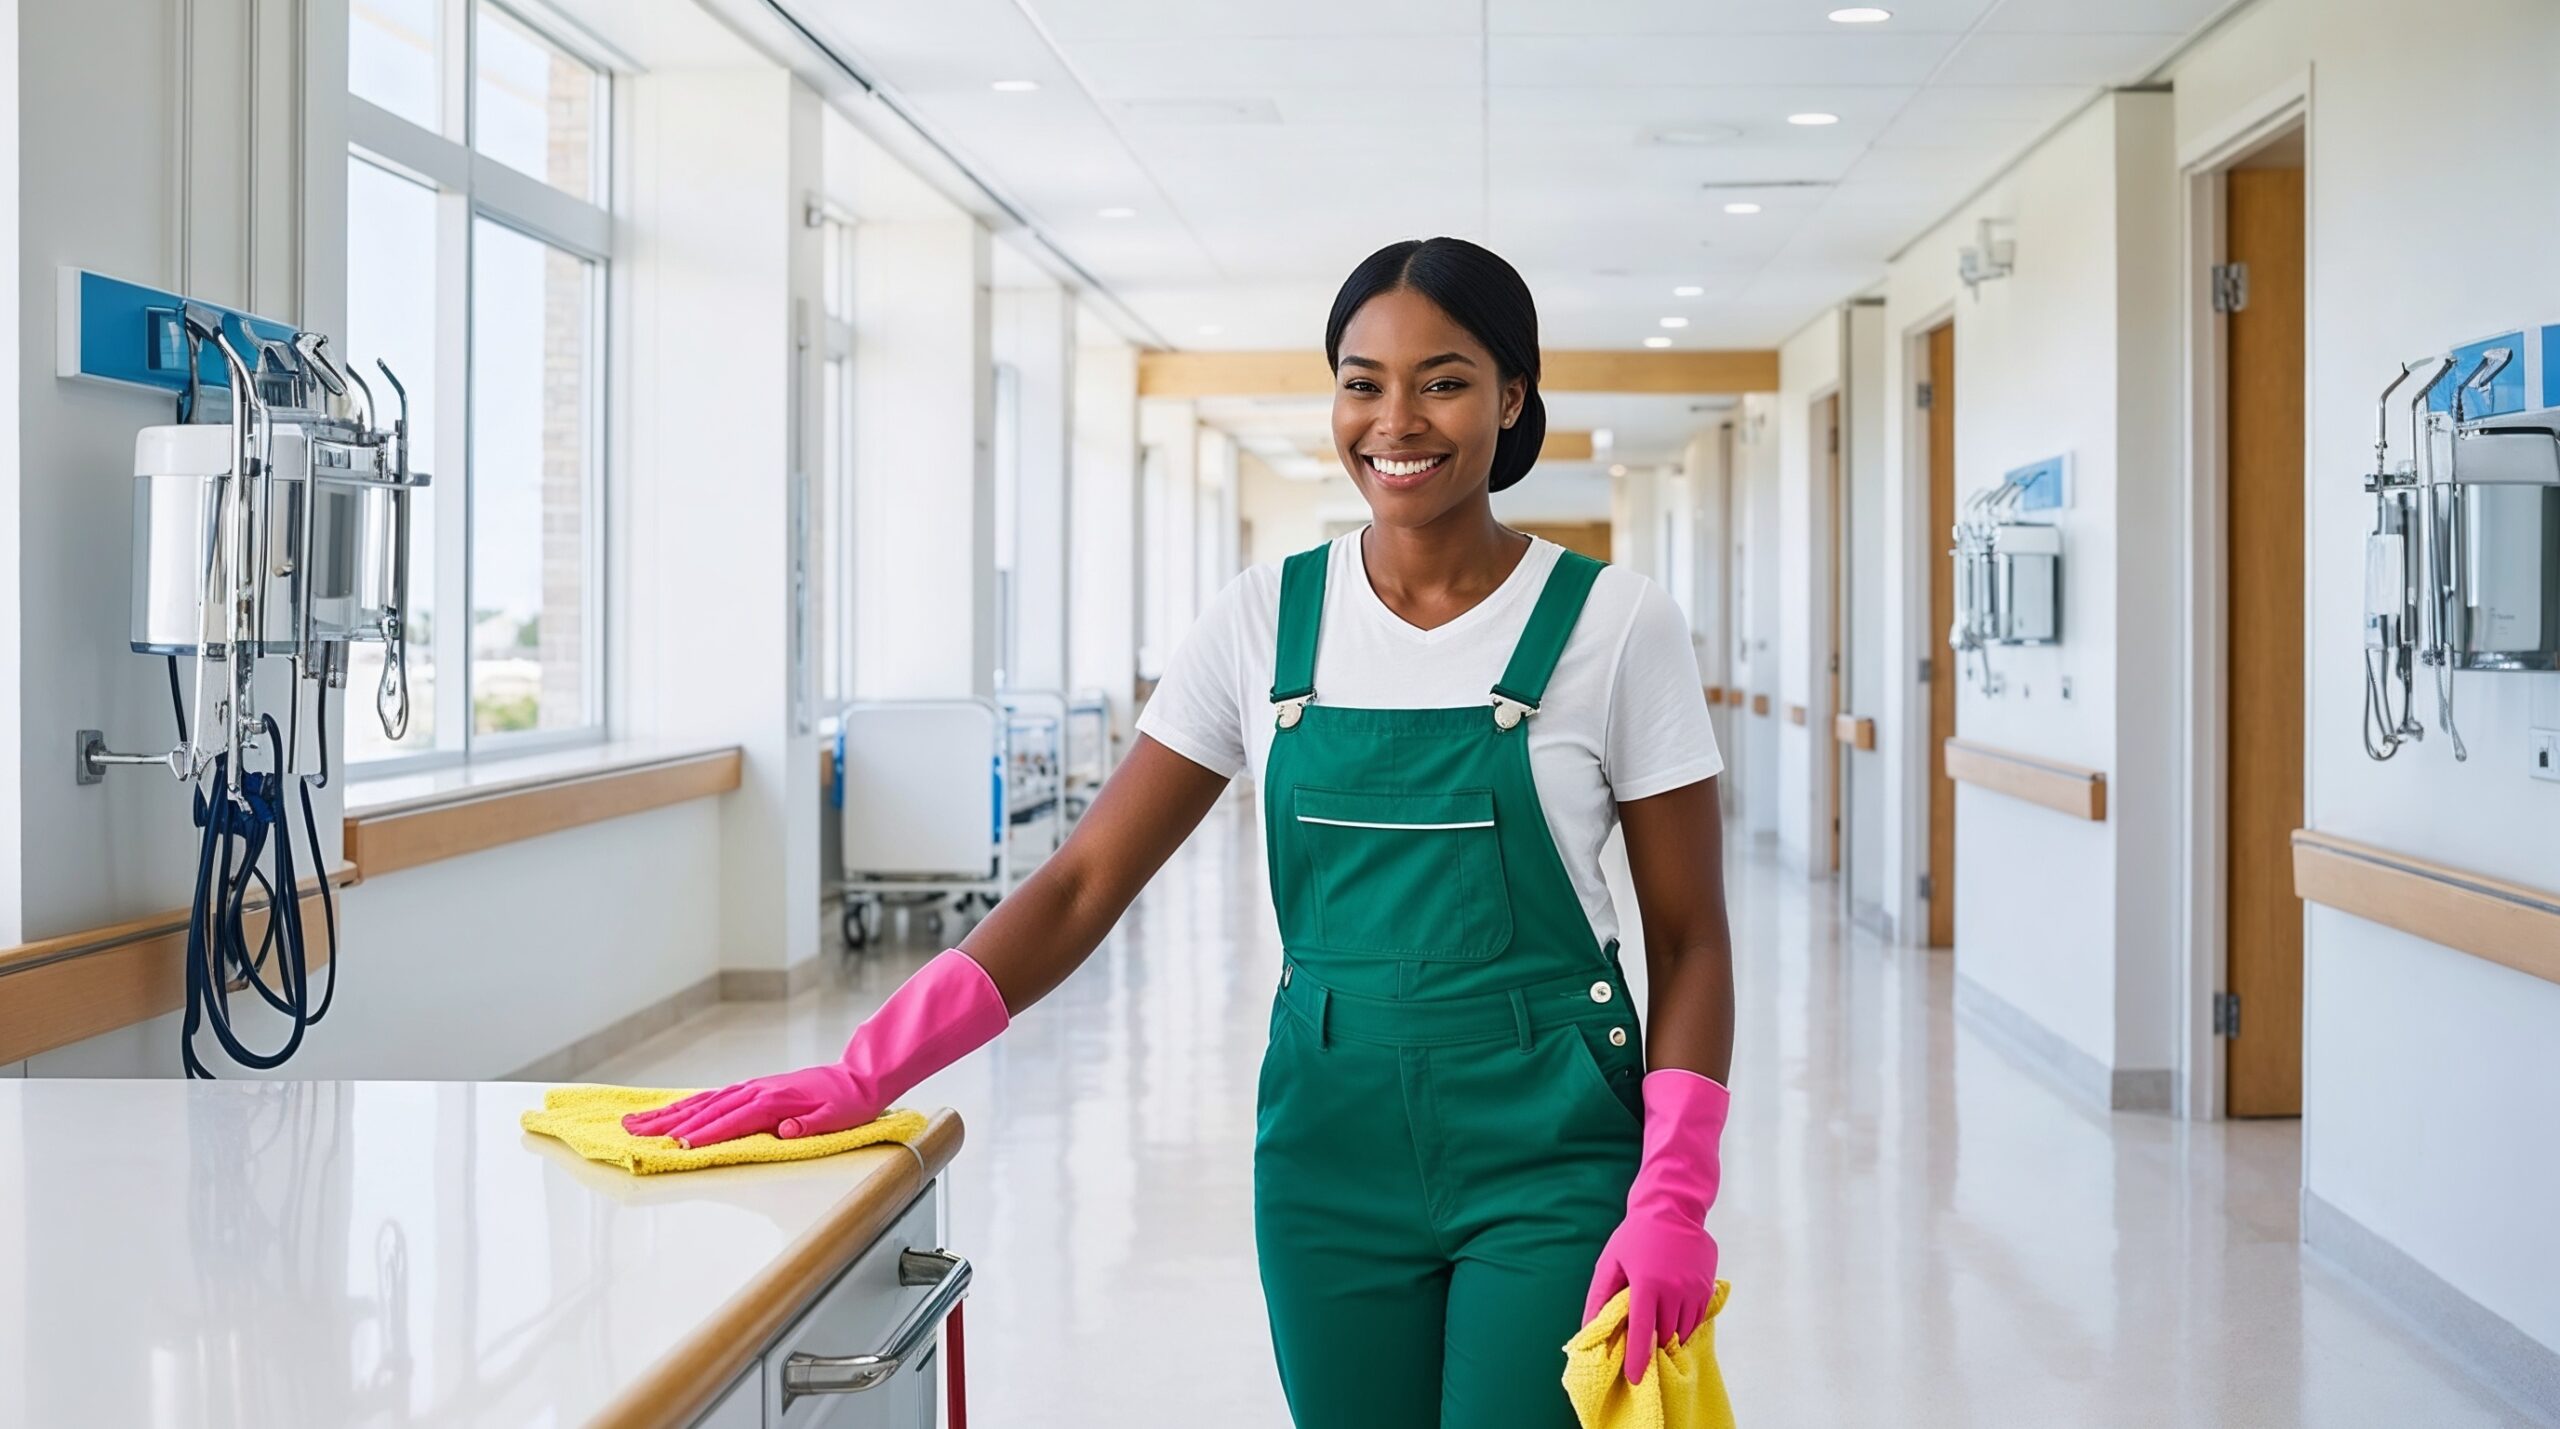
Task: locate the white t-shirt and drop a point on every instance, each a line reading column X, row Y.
column 1623, row 718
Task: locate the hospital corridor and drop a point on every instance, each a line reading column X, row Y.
column 1096, row 714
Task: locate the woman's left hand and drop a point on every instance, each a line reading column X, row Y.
column 1661, row 1254
column 1667, row 1266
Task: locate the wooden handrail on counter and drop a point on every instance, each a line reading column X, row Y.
column 1855, row 731
column 676, row 1388
column 403, row 836
column 2063, row 788
column 2506, row 923
column 62, row 990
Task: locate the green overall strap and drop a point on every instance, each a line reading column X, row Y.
column 1550, row 626
column 1301, row 616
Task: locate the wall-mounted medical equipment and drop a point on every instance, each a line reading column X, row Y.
column 2008, row 578
column 1992, row 254
column 271, row 523
column 2462, row 564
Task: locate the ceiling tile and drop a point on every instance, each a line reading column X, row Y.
column 2102, row 17
column 1123, row 69
column 1071, row 21
column 1692, row 60
column 1720, row 17
column 2049, row 59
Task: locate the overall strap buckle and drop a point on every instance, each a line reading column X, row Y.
column 1508, row 712
column 1287, row 713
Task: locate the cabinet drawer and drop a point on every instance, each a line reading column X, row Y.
column 856, row 1315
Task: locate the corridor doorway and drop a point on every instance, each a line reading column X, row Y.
column 2260, row 295
column 1936, row 399
column 1827, row 701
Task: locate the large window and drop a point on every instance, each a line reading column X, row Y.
column 478, row 244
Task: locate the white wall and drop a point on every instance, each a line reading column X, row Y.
column 924, row 474
column 2431, row 1079
column 722, row 160
column 1757, row 667
column 2041, row 363
column 1862, row 453
column 477, row 966
column 1169, row 525
column 1034, row 333
column 1102, row 570
column 1811, row 366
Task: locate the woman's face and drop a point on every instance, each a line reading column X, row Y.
column 1417, row 407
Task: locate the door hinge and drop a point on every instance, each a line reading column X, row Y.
column 1835, row 664
column 1835, row 439
column 1928, row 395
column 2230, row 287
column 1928, row 669
column 2226, row 1014
column 1928, row 888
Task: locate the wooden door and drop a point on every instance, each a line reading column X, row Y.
column 2263, row 415
column 1837, row 580
column 1939, row 409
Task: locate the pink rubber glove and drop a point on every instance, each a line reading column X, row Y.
column 1661, row 1253
column 949, row 1009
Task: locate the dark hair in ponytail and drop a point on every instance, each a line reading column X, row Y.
column 1486, row 297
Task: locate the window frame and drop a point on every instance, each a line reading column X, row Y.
column 835, row 498
column 470, row 186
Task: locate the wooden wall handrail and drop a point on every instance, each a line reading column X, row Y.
column 67, row 989
column 1795, row 714
column 2506, row 923
column 2064, row 788
column 1760, row 704
column 1715, row 695
column 405, row 837
column 1855, row 731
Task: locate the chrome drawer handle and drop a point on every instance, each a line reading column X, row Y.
column 948, row 1274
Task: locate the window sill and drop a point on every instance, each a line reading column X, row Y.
column 408, row 820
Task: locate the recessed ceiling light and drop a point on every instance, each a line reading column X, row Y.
column 1657, row 342
column 1860, row 15
column 1210, row 329
column 1742, row 208
column 1687, row 290
column 1813, row 119
column 1116, row 213
column 1015, row 86
column 1675, row 322
column 1618, row 470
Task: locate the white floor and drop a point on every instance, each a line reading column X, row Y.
column 1919, row 1232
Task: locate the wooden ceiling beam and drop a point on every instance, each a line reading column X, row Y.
column 1303, row 374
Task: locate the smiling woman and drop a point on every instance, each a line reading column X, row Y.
column 1402, row 417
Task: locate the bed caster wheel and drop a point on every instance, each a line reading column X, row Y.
column 933, row 922
column 853, row 930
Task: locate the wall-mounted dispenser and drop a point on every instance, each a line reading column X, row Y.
column 2008, row 579
column 271, row 522
column 2462, row 566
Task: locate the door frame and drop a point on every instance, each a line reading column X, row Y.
column 1821, row 592
column 1921, row 544
column 2202, row 577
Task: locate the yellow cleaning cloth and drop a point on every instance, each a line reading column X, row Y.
column 1682, row 1390
column 589, row 1119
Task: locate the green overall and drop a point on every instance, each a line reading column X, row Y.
column 1448, row 1116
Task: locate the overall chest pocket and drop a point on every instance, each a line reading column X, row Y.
column 1406, row 875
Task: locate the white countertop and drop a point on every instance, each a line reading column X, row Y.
column 273, row 1255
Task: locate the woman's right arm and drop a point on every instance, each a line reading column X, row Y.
column 1046, row 928
column 959, row 1001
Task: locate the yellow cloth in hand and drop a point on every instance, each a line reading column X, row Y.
column 589, row 1119
column 1682, row 1389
